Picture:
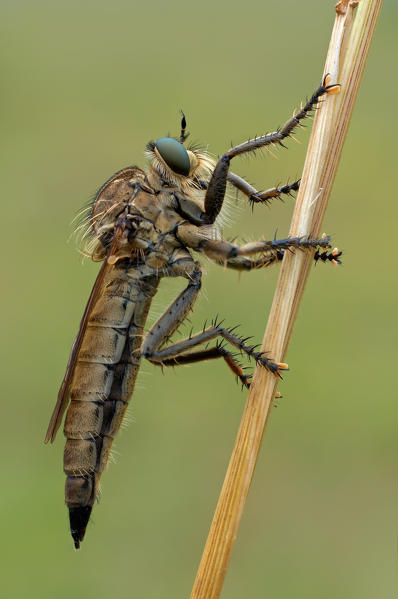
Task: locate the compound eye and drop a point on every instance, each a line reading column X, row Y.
column 174, row 154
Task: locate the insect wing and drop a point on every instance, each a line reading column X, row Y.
column 63, row 397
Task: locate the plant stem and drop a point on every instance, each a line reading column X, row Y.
column 346, row 58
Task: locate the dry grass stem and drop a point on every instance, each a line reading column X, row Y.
column 348, row 50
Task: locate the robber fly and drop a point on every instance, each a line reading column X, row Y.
column 143, row 226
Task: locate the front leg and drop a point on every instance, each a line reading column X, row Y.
column 216, row 190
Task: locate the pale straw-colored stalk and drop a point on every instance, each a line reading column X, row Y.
column 348, row 50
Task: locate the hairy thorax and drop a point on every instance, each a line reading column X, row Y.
column 150, row 211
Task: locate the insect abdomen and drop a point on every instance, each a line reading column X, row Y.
column 102, row 385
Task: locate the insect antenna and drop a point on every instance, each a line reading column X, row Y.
column 183, row 135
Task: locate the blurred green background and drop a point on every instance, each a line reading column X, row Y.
column 85, row 86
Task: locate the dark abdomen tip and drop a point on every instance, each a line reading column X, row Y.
column 78, row 518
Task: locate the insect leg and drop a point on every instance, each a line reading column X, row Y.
column 242, row 263
column 264, row 197
column 291, row 243
column 251, row 192
column 173, row 316
column 218, row 351
column 176, row 354
column 216, row 189
column 222, row 251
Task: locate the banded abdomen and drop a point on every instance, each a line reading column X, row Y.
column 103, row 382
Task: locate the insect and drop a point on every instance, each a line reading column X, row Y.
column 144, row 226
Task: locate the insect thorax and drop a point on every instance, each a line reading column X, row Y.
column 149, row 205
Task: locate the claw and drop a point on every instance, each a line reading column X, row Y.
column 326, row 80
column 331, row 89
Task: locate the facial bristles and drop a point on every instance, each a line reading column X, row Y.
column 201, row 166
column 193, row 161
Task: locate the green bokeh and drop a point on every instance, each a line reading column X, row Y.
column 85, row 86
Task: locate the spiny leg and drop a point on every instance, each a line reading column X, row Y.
column 251, row 192
column 175, row 314
column 178, row 353
column 291, row 243
column 216, row 189
column 242, row 263
column 171, row 320
column 221, row 251
column 189, row 210
column 261, row 197
column 168, row 323
column 218, row 351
